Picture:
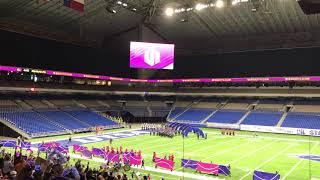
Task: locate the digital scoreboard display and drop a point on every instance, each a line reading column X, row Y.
column 151, row 55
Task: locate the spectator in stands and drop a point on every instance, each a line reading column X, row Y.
column 25, row 173
column 28, row 167
column 7, row 165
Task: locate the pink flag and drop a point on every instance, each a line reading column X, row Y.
column 207, row 168
column 164, row 163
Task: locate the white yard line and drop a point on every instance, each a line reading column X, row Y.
column 268, row 137
column 220, row 152
column 148, row 168
column 298, row 163
column 267, row 161
column 250, row 153
column 203, row 149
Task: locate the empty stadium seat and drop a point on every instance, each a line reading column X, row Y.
column 91, row 118
column 262, row 118
column 227, row 116
column 30, row 122
column 302, row 120
column 65, row 120
column 175, row 112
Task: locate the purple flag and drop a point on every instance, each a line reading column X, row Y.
column 86, row 153
column 260, row 175
column 98, row 152
column 9, row 143
column 25, row 145
column 225, row 170
column 62, row 149
column 188, row 163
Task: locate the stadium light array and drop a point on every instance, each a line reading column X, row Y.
column 200, row 6
column 169, row 11
column 122, row 4
column 219, row 4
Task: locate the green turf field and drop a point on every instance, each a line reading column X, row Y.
column 245, row 153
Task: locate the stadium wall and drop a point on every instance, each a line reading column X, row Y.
column 223, row 125
column 281, row 130
column 268, row 129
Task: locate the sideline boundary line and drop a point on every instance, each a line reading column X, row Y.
column 268, row 137
column 250, row 153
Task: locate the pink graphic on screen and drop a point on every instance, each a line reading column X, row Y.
column 151, row 55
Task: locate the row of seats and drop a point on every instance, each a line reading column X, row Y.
column 302, row 120
column 261, row 118
column 195, row 115
column 55, row 121
column 30, row 122
column 91, row 118
column 65, row 119
column 227, row 116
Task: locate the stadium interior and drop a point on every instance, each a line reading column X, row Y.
column 160, row 89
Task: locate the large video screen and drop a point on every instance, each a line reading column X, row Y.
column 151, row 55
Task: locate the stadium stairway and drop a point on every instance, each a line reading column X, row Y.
column 243, row 117
column 208, row 117
column 282, row 119
column 22, row 104
column 185, row 110
column 91, row 118
column 67, row 121
column 103, row 103
column 149, row 111
column 75, row 118
column 169, row 114
column 52, row 122
column 48, row 103
column 79, row 104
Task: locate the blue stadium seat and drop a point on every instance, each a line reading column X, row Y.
column 91, row 118
column 194, row 115
column 175, row 112
column 30, row 122
column 227, row 116
column 49, row 122
column 263, row 118
column 302, row 120
column 64, row 119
